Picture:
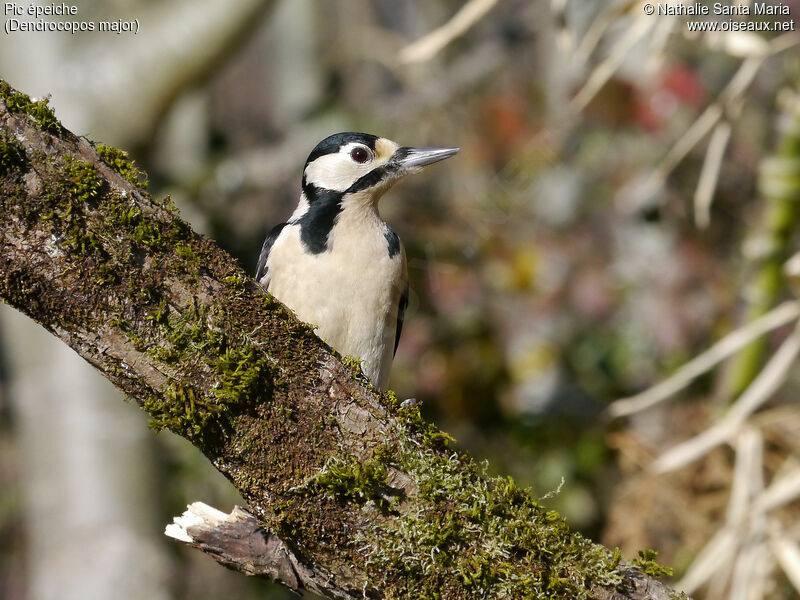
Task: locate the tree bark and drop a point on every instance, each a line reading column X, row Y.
column 350, row 494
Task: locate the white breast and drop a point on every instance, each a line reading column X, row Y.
column 350, row 292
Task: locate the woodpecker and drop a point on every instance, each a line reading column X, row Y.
column 336, row 263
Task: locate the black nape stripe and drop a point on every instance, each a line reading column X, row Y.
column 392, row 241
column 309, row 189
column 318, row 221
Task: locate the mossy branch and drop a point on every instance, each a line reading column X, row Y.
column 363, row 497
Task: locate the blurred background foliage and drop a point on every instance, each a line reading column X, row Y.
column 603, row 224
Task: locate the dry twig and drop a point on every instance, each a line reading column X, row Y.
column 431, row 44
column 779, row 316
column 768, row 381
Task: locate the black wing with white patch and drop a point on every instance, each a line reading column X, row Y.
column 401, row 313
column 261, row 269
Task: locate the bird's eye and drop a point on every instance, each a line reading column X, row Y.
column 359, row 154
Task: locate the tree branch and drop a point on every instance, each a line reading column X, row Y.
column 239, row 542
column 350, row 494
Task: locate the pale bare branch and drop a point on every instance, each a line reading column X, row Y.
column 704, row 123
column 707, row 182
column 431, row 44
column 742, row 44
column 787, row 553
column 639, row 29
column 746, row 583
column 747, row 475
column 768, row 381
column 727, row 346
column 731, row 94
column 780, row 492
column 598, row 28
column 716, row 553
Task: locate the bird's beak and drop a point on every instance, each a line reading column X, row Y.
column 416, row 158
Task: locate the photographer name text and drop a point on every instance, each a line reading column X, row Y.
column 720, row 9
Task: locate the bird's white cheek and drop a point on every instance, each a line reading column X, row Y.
column 330, row 172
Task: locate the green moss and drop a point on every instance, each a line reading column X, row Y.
column 647, row 563
column 180, row 331
column 390, row 399
column 352, row 480
column 160, row 314
column 242, row 376
column 180, row 409
column 118, row 160
column 355, row 365
column 12, row 155
column 464, row 534
column 147, row 234
column 143, row 232
column 84, row 184
column 105, row 274
column 20, row 288
column 460, row 534
column 80, row 205
column 17, row 102
column 136, row 341
column 186, row 252
column 284, row 412
column 45, row 116
column 186, row 411
column 352, row 362
column 78, row 184
column 430, row 435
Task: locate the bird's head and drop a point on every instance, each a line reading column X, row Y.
column 361, row 167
